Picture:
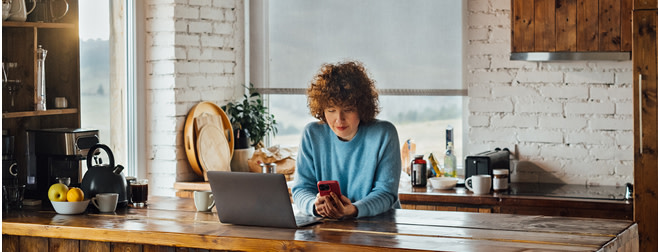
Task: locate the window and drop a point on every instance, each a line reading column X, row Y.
column 413, row 50
column 104, row 88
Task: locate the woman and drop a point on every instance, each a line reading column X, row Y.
column 348, row 145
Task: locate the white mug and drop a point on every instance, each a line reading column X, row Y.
column 105, row 202
column 204, row 201
column 481, row 184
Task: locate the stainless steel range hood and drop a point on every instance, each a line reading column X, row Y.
column 562, row 56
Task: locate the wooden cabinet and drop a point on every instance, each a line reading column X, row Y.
column 645, row 98
column 20, row 41
column 571, row 26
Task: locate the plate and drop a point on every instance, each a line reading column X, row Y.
column 190, row 136
column 212, row 150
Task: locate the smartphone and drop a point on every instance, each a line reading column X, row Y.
column 327, row 186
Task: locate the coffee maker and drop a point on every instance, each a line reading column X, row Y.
column 56, row 153
column 9, row 164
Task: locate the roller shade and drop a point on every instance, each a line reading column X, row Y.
column 409, row 47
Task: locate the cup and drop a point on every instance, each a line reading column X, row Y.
column 481, row 184
column 139, row 191
column 204, row 201
column 13, row 196
column 105, row 202
column 61, row 102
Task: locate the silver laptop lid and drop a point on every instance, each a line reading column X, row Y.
column 255, row 199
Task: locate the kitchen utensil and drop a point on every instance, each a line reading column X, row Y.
column 203, row 201
column 40, row 104
column 213, row 150
column 105, row 202
column 139, row 191
column 49, row 11
column 481, row 184
column 18, row 11
column 104, row 178
column 443, row 183
column 70, row 207
column 190, row 137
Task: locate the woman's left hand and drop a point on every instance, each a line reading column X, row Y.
column 336, row 206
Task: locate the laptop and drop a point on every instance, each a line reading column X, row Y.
column 255, row 199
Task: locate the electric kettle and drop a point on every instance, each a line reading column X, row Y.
column 104, row 178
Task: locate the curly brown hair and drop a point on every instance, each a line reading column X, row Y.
column 343, row 84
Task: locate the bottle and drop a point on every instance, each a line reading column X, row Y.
column 450, row 162
column 419, row 171
column 41, row 79
column 449, row 136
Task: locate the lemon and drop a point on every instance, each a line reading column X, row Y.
column 75, row 194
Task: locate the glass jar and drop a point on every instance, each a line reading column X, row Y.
column 500, row 180
column 419, row 171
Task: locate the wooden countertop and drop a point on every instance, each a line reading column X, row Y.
column 174, row 222
column 523, row 203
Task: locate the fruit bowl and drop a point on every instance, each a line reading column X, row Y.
column 66, row 207
column 443, row 183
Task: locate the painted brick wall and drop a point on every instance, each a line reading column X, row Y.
column 567, row 121
column 194, row 52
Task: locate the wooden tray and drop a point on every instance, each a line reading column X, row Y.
column 190, row 134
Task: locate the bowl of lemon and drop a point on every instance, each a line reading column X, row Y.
column 67, row 200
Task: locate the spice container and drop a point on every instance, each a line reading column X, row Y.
column 268, row 167
column 500, row 179
column 419, row 171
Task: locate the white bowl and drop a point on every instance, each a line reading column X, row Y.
column 65, row 207
column 443, row 183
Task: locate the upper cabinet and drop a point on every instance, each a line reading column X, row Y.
column 567, row 26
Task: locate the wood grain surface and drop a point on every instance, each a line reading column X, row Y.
column 173, row 222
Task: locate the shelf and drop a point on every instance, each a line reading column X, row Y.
column 38, row 25
column 39, row 113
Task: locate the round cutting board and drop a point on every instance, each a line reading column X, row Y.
column 190, row 136
column 213, row 150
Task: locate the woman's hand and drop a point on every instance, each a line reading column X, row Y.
column 335, row 206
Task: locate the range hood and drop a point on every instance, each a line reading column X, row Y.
column 563, row 56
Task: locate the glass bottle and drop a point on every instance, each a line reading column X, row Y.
column 450, row 162
column 41, row 79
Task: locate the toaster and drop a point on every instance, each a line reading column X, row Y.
column 486, row 162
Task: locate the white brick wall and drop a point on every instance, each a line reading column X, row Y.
column 570, row 121
column 194, row 52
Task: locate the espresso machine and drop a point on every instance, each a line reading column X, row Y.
column 9, row 164
column 56, row 153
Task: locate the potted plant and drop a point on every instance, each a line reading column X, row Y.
column 250, row 119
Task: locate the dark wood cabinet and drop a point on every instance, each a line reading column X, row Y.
column 20, row 41
column 571, row 25
column 645, row 98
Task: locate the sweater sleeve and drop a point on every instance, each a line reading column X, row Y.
column 304, row 189
column 384, row 194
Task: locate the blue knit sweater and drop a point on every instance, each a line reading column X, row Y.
column 366, row 167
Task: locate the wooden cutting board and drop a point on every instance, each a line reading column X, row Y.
column 213, row 150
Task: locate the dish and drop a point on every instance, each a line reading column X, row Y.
column 66, row 207
column 443, row 183
column 190, row 137
column 213, row 150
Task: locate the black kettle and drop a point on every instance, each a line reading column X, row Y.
column 103, row 178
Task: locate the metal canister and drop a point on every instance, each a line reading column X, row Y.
column 418, row 171
column 268, row 167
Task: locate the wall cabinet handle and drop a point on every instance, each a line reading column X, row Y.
column 639, row 109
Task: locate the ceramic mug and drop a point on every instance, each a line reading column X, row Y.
column 481, row 184
column 105, row 202
column 204, row 201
